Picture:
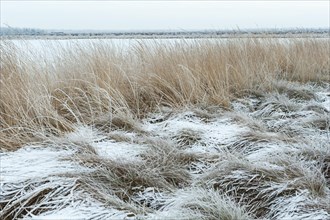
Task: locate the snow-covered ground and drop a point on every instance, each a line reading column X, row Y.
column 269, row 157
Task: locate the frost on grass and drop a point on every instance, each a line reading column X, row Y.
column 33, row 197
column 267, row 158
column 35, row 184
column 199, row 203
column 30, row 181
column 33, row 162
column 190, row 131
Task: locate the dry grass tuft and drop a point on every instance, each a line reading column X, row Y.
column 199, row 203
column 171, row 163
column 253, row 140
column 293, row 91
column 277, row 104
column 120, row 136
column 259, row 186
column 187, row 137
column 116, row 182
column 253, row 123
column 316, row 108
column 320, row 121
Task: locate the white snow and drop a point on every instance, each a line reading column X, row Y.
column 119, row 150
column 33, row 162
column 82, row 209
column 213, row 134
column 85, row 134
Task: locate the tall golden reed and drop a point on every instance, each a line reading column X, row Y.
column 85, row 83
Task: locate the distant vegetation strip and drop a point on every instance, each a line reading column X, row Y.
column 7, row 32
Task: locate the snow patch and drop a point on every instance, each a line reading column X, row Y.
column 119, row 150
column 34, row 162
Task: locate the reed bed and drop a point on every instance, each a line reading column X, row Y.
column 103, row 84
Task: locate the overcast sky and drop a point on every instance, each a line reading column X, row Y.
column 169, row 15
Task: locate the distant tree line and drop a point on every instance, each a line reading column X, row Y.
column 12, row 31
column 21, row 31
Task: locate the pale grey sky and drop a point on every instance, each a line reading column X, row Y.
column 131, row 15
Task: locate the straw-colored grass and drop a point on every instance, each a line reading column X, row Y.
column 205, row 129
column 91, row 83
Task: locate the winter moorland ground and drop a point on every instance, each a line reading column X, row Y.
column 265, row 157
